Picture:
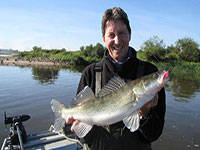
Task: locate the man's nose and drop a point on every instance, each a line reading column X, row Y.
column 117, row 39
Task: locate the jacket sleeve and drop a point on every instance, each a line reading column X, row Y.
column 151, row 128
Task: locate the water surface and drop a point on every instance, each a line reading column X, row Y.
column 29, row 90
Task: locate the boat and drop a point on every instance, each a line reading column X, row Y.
column 18, row 139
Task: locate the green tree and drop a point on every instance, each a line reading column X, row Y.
column 99, row 50
column 82, row 48
column 63, row 50
column 88, row 50
column 96, row 51
column 171, row 54
column 154, row 49
column 37, row 49
column 188, row 50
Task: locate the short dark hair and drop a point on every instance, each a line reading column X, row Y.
column 114, row 14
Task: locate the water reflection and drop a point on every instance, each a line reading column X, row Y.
column 183, row 90
column 45, row 75
column 77, row 68
column 48, row 75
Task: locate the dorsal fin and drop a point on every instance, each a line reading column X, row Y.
column 113, row 85
column 83, row 96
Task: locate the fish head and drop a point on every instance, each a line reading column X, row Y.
column 163, row 78
column 156, row 81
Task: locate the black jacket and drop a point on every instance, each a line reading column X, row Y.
column 118, row 136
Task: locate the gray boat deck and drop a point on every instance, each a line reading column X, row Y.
column 47, row 140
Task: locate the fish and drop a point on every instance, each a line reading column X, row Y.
column 116, row 101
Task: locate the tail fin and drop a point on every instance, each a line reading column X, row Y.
column 57, row 108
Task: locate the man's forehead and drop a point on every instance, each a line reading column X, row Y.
column 117, row 25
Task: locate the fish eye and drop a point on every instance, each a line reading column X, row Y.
column 155, row 75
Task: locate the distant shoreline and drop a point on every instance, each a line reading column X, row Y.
column 20, row 62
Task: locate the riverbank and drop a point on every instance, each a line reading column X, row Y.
column 21, row 62
column 180, row 69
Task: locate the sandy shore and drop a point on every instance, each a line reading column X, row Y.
column 18, row 62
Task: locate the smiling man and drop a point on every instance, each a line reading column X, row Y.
column 120, row 60
column 116, row 38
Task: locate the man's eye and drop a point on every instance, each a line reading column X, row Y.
column 122, row 34
column 112, row 35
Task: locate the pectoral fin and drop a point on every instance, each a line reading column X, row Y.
column 82, row 129
column 132, row 122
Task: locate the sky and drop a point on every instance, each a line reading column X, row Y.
column 70, row 24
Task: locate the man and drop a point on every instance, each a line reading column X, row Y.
column 120, row 60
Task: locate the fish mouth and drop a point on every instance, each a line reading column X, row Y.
column 166, row 75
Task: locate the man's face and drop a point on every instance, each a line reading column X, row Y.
column 117, row 39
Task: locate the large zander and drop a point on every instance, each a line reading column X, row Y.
column 115, row 102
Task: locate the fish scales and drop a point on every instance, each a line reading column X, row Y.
column 108, row 106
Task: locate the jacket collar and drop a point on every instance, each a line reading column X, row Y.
column 131, row 55
column 117, row 66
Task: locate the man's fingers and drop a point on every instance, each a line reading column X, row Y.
column 76, row 122
column 70, row 120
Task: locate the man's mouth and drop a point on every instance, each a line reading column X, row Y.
column 117, row 48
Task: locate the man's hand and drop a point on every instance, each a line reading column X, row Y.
column 144, row 110
column 71, row 120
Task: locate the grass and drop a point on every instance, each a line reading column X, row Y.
column 184, row 70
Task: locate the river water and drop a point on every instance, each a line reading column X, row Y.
column 29, row 90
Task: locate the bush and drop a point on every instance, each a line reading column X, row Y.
column 78, row 61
